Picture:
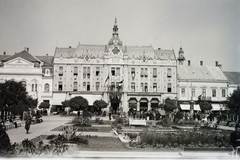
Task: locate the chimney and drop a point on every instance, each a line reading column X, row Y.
column 189, row 62
column 201, row 63
column 216, row 63
column 27, row 49
column 220, row 66
column 4, row 53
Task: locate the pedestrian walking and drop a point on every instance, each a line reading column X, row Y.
column 28, row 122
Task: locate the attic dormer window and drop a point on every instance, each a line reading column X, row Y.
column 47, row 72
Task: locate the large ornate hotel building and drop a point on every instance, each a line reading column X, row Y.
column 147, row 76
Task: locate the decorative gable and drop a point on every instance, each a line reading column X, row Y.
column 18, row 63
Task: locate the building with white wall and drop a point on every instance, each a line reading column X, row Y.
column 147, row 76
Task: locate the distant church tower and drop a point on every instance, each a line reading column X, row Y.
column 181, row 57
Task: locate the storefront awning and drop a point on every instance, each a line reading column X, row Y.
column 91, row 98
column 58, row 98
column 132, row 101
column 154, row 101
column 218, row 107
column 187, row 107
column 143, row 100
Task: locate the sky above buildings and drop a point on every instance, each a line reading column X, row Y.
column 208, row 30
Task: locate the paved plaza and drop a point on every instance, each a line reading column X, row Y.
column 53, row 121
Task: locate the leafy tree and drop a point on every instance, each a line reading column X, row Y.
column 99, row 104
column 233, row 101
column 65, row 103
column 204, row 105
column 169, row 105
column 44, row 105
column 78, row 103
column 12, row 92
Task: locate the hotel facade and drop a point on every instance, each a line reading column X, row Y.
column 146, row 76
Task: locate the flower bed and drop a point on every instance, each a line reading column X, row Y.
column 203, row 139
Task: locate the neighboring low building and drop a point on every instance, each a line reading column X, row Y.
column 34, row 71
column 205, row 82
column 233, row 81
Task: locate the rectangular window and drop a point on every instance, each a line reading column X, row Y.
column 133, row 87
column 204, row 92
column 154, row 72
column 32, row 87
column 84, row 72
column 133, row 72
column 142, row 72
column 74, row 86
column 113, row 71
column 75, row 71
column 146, row 87
column 183, row 92
column 169, row 73
column 169, row 87
column 60, row 86
column 146, row 72
column 88, row 72
column 84, row 86
column 117, row 71
column 97, row 71
column 193, row 92
column 97, row 86
column 142, row 86
column 35, row 87
column 223, row 93
column 214, row 93
column 154, row 87
column 88, row 86
column 60, row 71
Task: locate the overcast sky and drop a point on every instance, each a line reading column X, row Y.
column 208, row 30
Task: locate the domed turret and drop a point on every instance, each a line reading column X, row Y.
column 115, row 40
column 181, row 57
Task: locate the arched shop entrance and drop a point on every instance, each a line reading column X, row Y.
column 143, row 104
column 154, row 104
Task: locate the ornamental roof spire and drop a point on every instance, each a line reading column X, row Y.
column 115, row 40
column 115, row 28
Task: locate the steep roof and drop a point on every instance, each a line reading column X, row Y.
column 48, row 60
column 233, row 77
column 2, row 57
column 98, row 51
column 200, row 73
column 25, row 55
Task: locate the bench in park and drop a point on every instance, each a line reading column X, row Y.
column 137, row 122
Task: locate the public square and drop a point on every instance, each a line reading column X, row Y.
column 52, row 121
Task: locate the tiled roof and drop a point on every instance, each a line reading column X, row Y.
column 2, row 57
column 25, row 55
column 200, row 73
column 165, row 54
column 98, row 50
column 233, row 77
column 48, row 60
